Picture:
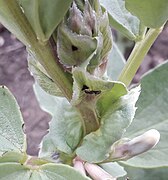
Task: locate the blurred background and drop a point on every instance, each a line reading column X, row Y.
column 15, row 75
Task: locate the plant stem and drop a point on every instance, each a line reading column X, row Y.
column 89, row 117
column 42, row 52
column 137, row 56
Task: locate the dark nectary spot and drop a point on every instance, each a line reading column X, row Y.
column 74, row 48
column 24, row 128
column 84, row 87
column 87, row 91
column 92, row 31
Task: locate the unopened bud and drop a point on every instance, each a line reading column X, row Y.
column 90, row 19
column 97, row 173
column 84, row 37
column 79, row 166
column 75, row 19
column 136, row 146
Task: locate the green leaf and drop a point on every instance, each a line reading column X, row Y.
column 74, row 49
column 121, row 19
column 116, row 62
column 42, row 78
column 93, row 95
column 104, row 43
column 16, row 171
column 152, row 113
column 65, row 130
column 13, row 157
column 12, row 137
column 96, row 145
column 114, row 169
column 10, row 21
column 107, row 35
column 146, row 174
column 95, row 87
column 62, row 172
column 44, row 16
column 152, row 13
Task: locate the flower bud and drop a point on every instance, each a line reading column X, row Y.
column 97, row 173
column 79, row 166
column 138, row 145
column 75, row 19
column 84, row 37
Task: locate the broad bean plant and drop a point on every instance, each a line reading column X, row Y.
column 102, row 127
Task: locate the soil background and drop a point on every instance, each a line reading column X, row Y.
column 15, row 75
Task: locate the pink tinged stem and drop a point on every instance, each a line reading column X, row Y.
column 79, row 166
column 97, row 173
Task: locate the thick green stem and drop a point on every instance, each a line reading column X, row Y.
column 45, row 55
column 137, row 56
column 42, row 52
column 89, row 118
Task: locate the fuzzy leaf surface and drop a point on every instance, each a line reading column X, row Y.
column 13, row 156
column 42, row 78
column 116, row 62
column 121, row 19
column 65, row 129
column 10, row 21
column 17, row 171
column 152, row 114
column 113, row 123
column 114, row 169
column 12, row 137
column 74, row 49
column 145, row 174
column 44, row 16
column 152, row 13
column 94, row 84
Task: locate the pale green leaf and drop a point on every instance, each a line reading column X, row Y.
column 152, row 13
column 93, row 96
column 13, row 157
column 65, row 129
column 42, row 78
column 74, row 49
column 11, row 133
column 16, row 171
column 152, row 113
column 44, row 16
column 121, row 19
column 48, row 151
column 145, row 174
column 47, row 102
column 114, row 169
column 62, row 171
column 10, row 21
column 86, row 84
column 116, row 62
column 107, row 35
column 103, row 47
column 96, row 145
